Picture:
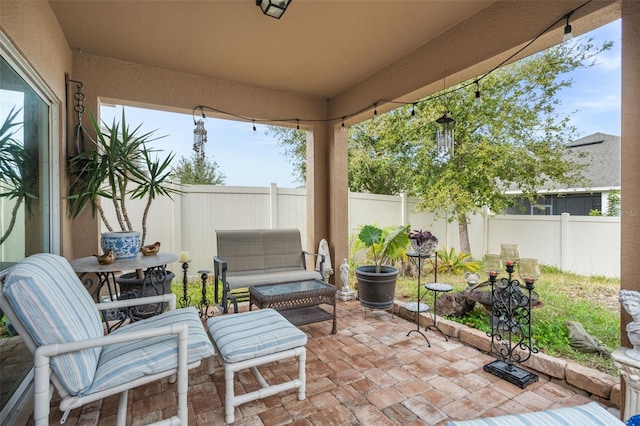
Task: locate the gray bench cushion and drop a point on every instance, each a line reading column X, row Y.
column 262, row 278
column 253, row 334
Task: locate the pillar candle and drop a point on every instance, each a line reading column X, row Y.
column 184, row 256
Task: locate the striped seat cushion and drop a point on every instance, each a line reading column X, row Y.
column 591, row 414
column 54, row 307
column 123, row 362
column 254, row 334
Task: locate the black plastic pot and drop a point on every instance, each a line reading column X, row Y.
column 376, row 290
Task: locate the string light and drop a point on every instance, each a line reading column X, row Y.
column 298, row 125
column 568, row 34
column 477, row 99
column 342, row 127
column 413, row 110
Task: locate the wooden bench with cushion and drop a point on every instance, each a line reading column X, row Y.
column 251, row 257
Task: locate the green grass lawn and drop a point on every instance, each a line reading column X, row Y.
column 592, row 301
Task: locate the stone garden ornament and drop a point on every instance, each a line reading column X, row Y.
column 630, row 301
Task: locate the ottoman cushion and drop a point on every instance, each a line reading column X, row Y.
column 253, row 334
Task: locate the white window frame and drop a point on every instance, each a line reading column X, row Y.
column 15, row 407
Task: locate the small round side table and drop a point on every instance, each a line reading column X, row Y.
column 437, row 288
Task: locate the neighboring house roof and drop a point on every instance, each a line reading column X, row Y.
column 603, row 157
column 602, row 154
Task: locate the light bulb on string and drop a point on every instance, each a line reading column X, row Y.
column 477, row 101
column 254, row 125
column 342, row 127
column 413, row 110
column 298, row 125
column 568, row 33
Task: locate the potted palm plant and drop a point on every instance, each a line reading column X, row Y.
column 377, row 282
column 122, row 167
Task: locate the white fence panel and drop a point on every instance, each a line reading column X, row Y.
column 537, row 236
column 371, row 209
column 580, row 244
column 593, row 246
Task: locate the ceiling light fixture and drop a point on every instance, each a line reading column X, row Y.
column 273, row 8
column 568, row 34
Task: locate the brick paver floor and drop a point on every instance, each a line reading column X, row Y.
column 369, row 373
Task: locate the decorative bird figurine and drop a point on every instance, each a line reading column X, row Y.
column 106, row 259
column 151, row 249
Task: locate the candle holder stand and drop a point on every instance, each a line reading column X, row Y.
column 185, row 300
column 203, row 306
column 511, row 328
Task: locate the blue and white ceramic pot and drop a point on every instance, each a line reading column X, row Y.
column 125, row 244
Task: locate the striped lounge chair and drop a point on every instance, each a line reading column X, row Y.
column 61, row 326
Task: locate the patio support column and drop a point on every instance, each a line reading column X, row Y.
column 630, row 161
column 327, row 190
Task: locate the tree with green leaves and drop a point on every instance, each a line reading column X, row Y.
column 294, row 143
column 198, row 170
column 515, row 140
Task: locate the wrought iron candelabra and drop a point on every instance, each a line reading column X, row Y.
column 203, row 306
column 185, row 300
column 511, row 322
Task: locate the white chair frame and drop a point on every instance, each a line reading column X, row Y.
column 231, row 400
column 44, row 377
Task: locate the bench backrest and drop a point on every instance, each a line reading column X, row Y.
column 260, row 249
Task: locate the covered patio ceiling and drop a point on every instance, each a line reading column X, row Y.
column 335, row 50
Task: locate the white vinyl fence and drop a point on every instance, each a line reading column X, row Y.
column 580, row 244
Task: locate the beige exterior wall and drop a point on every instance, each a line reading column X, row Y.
column 132, row 84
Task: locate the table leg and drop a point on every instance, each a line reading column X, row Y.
column 434, row 326
column 334, row 330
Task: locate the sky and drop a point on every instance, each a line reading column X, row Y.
column 249, row 158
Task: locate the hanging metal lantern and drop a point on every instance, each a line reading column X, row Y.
column 199, row 139
column 445, row 136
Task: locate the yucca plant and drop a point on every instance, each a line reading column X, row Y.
column 122, row 166
column 18, row 170
column 456, row 263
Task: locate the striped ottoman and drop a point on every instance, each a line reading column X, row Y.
column 247, row 340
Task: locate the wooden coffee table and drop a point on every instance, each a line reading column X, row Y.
column 298, row 301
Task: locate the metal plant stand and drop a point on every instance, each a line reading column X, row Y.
column 437, row 288
column 511, row 328
column 420, row 306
